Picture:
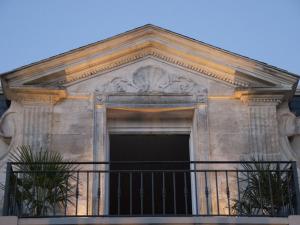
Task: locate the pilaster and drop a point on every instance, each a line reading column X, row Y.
column 263, row 126
column 37, row 114
column 37, row 125
column 100, row 154
column 200, row 138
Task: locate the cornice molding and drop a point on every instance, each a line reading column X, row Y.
column 151, row 52
column 168, row 46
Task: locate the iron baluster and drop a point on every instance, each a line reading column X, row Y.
column 152, row 196
column 250, row 201
column 196, row 189
column 163, row 193
column 7, row 193
column 217, row 192
column 130, row 193
column 119, row 192
column 185, row 194
column 281, row 187
column 33, row 210
column 174, row 192
column 15, row 194
column 44, row 193
column 206, row 193
column 271, row 194
column 99, row 192
column 87, row 192
column 228, row 193
column 77, row 193
column 260, row 196
column 55, row 197
column 142, row 194
column 238, row 189
column 66, row 196
column 296, row 188
column 291, row 207
column 20, row 213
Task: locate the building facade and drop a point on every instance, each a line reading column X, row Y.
column 153, row 95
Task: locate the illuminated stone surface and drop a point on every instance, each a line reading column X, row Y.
column 233, row 107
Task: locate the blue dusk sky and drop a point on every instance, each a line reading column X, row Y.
column 265, row 30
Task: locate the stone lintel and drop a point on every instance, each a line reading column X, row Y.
column 149, row 100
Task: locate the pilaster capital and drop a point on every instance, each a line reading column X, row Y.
column 261, row 100
column 36, row 96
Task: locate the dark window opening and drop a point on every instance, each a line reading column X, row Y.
column 294, row 105
column 162, row 188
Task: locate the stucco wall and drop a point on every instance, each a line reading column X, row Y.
column 72, row 128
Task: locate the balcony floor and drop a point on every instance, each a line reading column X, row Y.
column 213, row 220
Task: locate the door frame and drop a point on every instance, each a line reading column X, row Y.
column 198, row 131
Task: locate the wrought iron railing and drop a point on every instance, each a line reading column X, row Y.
column 212, row 188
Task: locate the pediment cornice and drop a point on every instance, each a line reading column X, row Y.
column 149, row 42
column 151, row 52
column 86, row 70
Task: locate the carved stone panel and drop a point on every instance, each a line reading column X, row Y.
column 150, row 80
column 149, row 86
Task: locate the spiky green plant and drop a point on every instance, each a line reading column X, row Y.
column 266, row 189
column 42, row 181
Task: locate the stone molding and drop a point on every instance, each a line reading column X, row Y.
column 36, row 96
column 147, row 41
column 261, row 100
column 36, row 99
column 151, row 52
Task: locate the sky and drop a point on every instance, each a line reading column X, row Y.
column 265, row 30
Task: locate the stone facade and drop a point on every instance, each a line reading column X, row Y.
column 150, row 80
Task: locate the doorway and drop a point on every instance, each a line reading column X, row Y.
column 149, row 174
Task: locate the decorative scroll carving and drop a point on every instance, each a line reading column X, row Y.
column 7, row 133
column 10, row 132
column 100, row 99
column 152, row 80
column 289, row 133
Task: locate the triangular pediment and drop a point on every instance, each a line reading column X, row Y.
column 67, row 69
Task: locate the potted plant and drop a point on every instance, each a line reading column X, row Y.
column 41, row 183
column 266, row 188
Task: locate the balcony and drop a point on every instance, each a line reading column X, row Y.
column 152, row 189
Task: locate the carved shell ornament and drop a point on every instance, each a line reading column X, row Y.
column 151, row 79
